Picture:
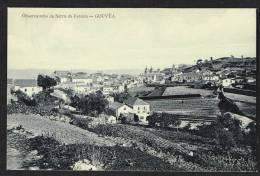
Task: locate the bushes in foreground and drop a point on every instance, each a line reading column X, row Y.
column 226, row 162
column 62, row 157
column 227, row 133
column 24, row 109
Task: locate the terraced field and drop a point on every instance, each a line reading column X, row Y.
column 182, row 90
column 247, row 104
column 135, row 90
column 188, row 109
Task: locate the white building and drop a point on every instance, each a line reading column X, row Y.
column 108, row 90
column 119, row 109
column 82, row 80
column 228, row 82
column 82, row 89
column 109, row 98
column 28, row 86
column 118, row 88
column 139, row 107
column 210, row 78
column 64, row 79
column 63, row 75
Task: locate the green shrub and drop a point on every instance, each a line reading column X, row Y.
column 93, row 104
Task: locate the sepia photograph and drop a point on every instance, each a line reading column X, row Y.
column 131, row 89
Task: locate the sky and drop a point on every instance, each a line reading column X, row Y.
column 131, row 39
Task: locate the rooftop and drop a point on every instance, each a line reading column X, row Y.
column 25, row 82
column 131, row 101
column 115, row 105
column 80, row 76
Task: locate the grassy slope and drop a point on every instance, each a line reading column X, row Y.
column 62, row 132
column 136, row 147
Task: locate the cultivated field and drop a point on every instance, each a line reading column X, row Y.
column 247, row 104
column 137, row 90
column 188, row 109
column 182, row 90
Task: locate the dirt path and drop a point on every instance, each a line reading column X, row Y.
column 62, row 132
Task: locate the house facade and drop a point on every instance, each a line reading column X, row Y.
column 108, row 90
column 81, row 80
column 132, row 106
column 27, row 86
column 187, row 77
column 119, row 109
column 228, row 82
column 139, row 107
column 63, row 75
column 152, row 76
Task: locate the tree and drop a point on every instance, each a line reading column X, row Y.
column 92, row 104
column 251, row 137
column 151, row 120
column 199, row 62
column 46, row 82
column 22, row 97
column 58, row 80
column 125, row 88
column 121, row 97
column 75, row 101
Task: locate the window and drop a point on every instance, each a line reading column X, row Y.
column 124, row 108
column 25, row 90
column 138, row 108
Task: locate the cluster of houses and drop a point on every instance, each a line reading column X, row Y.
column 83, row 83
column 227, row 71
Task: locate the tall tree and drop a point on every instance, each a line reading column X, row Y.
column 46, row 82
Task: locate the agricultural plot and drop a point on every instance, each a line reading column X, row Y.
column 247, row 104
column 183, row 90
column 241, row 98
column 189, row 109
column 136, row 90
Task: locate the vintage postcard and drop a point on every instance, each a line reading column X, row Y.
column 123, row 89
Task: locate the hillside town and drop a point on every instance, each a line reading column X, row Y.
column 177, row 100
column 229, row 72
